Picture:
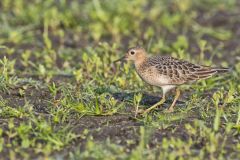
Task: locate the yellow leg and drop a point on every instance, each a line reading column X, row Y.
column 170, row 109
column 155, row 105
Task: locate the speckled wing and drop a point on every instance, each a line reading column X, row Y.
column 180, row 71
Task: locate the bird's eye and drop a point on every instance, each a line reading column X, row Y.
column 132, row 52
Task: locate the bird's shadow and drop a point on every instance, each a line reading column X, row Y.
column 147, row 100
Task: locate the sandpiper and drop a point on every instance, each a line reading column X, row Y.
column 167, row 72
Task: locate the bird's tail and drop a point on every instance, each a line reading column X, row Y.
column 207, row 72
column 221, row 70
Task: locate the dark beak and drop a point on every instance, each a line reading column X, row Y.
column 121, row 59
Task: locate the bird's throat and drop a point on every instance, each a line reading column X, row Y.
column 141, row 59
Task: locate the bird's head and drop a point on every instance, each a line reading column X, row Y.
column 134, row 54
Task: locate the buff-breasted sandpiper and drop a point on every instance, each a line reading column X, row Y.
column 167, row 72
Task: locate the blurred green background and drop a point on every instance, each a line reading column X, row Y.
column 186, row 28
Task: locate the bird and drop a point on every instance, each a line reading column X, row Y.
column 167, row 72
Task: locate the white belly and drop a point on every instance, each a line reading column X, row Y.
column 155, row 80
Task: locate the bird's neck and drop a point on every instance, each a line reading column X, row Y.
column 141, row 60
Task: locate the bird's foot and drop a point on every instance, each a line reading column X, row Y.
column 138, row 112
column 141, row 113
column 169, row 110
